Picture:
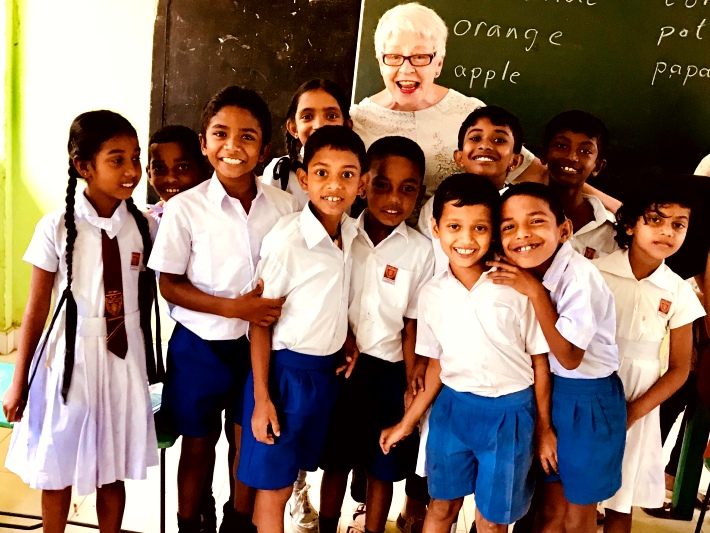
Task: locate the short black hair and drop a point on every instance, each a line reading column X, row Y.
column 336, row 137
column 498, row 117
column 540, row 191
column 656, row 192
column 243, row 98
column 399, row 146
column 466, row 189
column 578, row 122
column 182, row 135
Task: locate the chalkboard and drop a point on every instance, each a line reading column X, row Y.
column 269, row 46
column 642, row 66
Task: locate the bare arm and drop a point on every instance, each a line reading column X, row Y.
column 681, row 346
column 264, row 409
column 432, row 385
column 545, row 437
column 33, row 320
column 609, row 202
column 251, row 307
column 536, row 172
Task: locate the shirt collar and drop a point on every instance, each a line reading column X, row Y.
column 618, row 264
column 559, row 264
column 314, row 232
column 601, row 215
column 449, row 275
column 217, row 193
column 401, row 229
column 111, row 226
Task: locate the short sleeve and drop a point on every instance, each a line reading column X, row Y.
column 535, row 342
column 42, row 251
column 704, row 167
column 173, row 243
column 578, row 306
column 268, row 176
column 687, row 308
column 425, row 275
column 424, row 223
column 271, row 267
column 427, row 344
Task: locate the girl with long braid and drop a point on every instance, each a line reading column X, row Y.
column 86, row 420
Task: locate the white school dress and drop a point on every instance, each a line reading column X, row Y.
column 645, row 310
column 105, row 431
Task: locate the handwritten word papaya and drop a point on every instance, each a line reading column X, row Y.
column 684, row 71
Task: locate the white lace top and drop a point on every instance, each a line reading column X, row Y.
column 435, row 129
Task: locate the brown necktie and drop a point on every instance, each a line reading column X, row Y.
column 113, row 288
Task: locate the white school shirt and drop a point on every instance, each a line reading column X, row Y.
column 596, row 238
column 207, row 235
column 483, row 337
column 300, row 261
column 424, row 226
column 384, row 287
column 293, row 186
column 585, row 306
column 647, row 308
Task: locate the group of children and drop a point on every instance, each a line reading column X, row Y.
column 525, row 338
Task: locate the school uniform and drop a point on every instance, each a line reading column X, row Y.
column 596, row 238
column 207, row 236
column 384, row 289
column 299, row 260
column 588, row 405
column 291, row 184
column 424, row 225
column 645, row 310
column 481, row 426
column 104, row 431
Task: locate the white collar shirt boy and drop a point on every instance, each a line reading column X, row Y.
column 596, row 238
column 384, row 287
column 647, row 308
column 208, row 236
column 300, row 261
column 585, row 306
column 483, row 337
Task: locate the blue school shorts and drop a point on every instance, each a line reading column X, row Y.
column 370, row 400
column 589, row 416
column 203, row 378
column 303, row 389
column 483, row 446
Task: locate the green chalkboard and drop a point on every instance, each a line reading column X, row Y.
column 642, row 66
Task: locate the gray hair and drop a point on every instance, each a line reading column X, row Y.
column 412, row 18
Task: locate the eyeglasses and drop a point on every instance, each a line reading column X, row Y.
column 417, row 60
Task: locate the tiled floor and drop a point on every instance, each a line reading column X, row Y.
column 143, row 509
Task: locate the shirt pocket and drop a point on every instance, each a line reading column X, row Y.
column 499, row 324
column 394, row 287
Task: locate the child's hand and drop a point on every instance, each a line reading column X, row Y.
column 416, row 376
column 547, row 449
column 253, row 308
column 13, row 403
column 391, row 436
column 632, row 414
column 520, row 279
column 265, row 422
column 351, row 355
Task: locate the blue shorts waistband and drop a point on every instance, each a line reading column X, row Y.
column 304, row 361
column 513, row 399
column 585, row 387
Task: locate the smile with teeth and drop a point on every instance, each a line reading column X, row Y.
column 391, row 211
column 464, row 251
column 172, row 190
column 232, row 161
column 526, row 248
column 483, row 158
column 569, row 169
column 408, row 84
column 128, row 185
column 332, row 198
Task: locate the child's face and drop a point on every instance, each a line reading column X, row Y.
column 316, row 109
column 333, row 180
column 660, row 233
column 392, row 189
column 114, row 171
column 488, row 151
column 465, row 234
column 233, row 143
column 572, row 158
column 171, row 169
column 529, row 232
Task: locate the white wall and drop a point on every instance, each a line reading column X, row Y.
column 80, row 55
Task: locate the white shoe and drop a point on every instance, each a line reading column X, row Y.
column 304, row 518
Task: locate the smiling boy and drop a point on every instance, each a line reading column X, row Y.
column 306, row 258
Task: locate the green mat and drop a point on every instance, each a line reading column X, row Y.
column 6, row 370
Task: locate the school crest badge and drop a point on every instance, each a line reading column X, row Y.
column 390, row 274
column 664, row 307
column 114, row 302
column 589, row 252
column 135, row 260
